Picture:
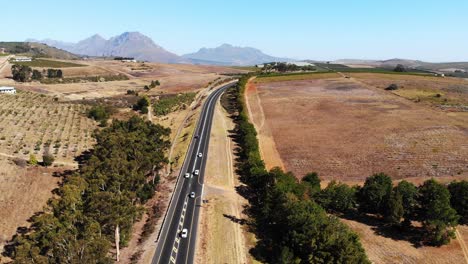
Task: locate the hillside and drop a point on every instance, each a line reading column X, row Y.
column 128, row 44
column 230, row 55
column 417, row 64
column 37, row 50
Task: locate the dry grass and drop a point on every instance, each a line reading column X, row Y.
column 23, row 192
column 452, row 91
column 347, row 131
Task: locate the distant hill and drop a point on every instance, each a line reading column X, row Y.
column 37, row 50
column 415, row 64
column 234, row 56
column 128, row 44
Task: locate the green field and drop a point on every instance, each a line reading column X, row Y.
column 3, row 54
column 42, row 63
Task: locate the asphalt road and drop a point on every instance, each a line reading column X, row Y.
column 184, row 211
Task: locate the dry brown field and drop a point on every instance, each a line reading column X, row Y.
column 174, row 78
column 348, row 129
column 345, row 130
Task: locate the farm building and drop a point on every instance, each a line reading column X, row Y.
column 7, row 90
column 22, row 59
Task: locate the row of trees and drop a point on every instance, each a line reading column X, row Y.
column 291, row 226
column 286, row 67
column 24, row 73
column 438, row 207
column 97, row 205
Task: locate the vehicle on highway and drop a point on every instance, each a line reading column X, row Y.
column 184, row 233
column 196, row 172
column 187, row 175
column 200, row 155
column 192, row 195
column 196, row 136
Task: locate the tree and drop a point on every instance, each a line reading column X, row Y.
column 373, row 196
column 54, row 73
column 395, row 210
column 459, row 199
column 312, row 181
column 338, row 197
column 154, row 84
column 100, row 112
column 438, row 217
column 32, row 160
column 47, row 160
column 400, row 68
column 408, row 192
column 21, row 73
column 142, row 105
column 36, row 75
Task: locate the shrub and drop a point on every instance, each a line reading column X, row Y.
column 47, row 160
column 32, row 160
column 392, row 87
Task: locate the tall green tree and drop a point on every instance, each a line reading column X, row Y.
column 395, row 210
column 338, row 197
column 438, row 217
column 409, row 193
column 312, row 182
column 373, row 196
column 459, row 199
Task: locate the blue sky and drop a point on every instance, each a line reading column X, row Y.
column 325, row 30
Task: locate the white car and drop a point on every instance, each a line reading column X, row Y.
column 187, row 175
column 192, row 195
column 200, row 155
column 184, row 233
column 196, row 172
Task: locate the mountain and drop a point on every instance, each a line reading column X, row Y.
column 128, row 44
column 92, row 46
column 229, row 55
column 37, row 50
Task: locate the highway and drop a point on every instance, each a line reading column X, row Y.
column 183, row 211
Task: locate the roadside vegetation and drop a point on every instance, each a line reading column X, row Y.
column 96, row 206
column 291, row 227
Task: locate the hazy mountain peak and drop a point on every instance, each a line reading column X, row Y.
column 228, row 54
column 127, row 44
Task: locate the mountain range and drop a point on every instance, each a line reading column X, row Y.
column 141, row 47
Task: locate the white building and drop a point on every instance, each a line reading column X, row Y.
column 7, row 90
column 22, row 59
